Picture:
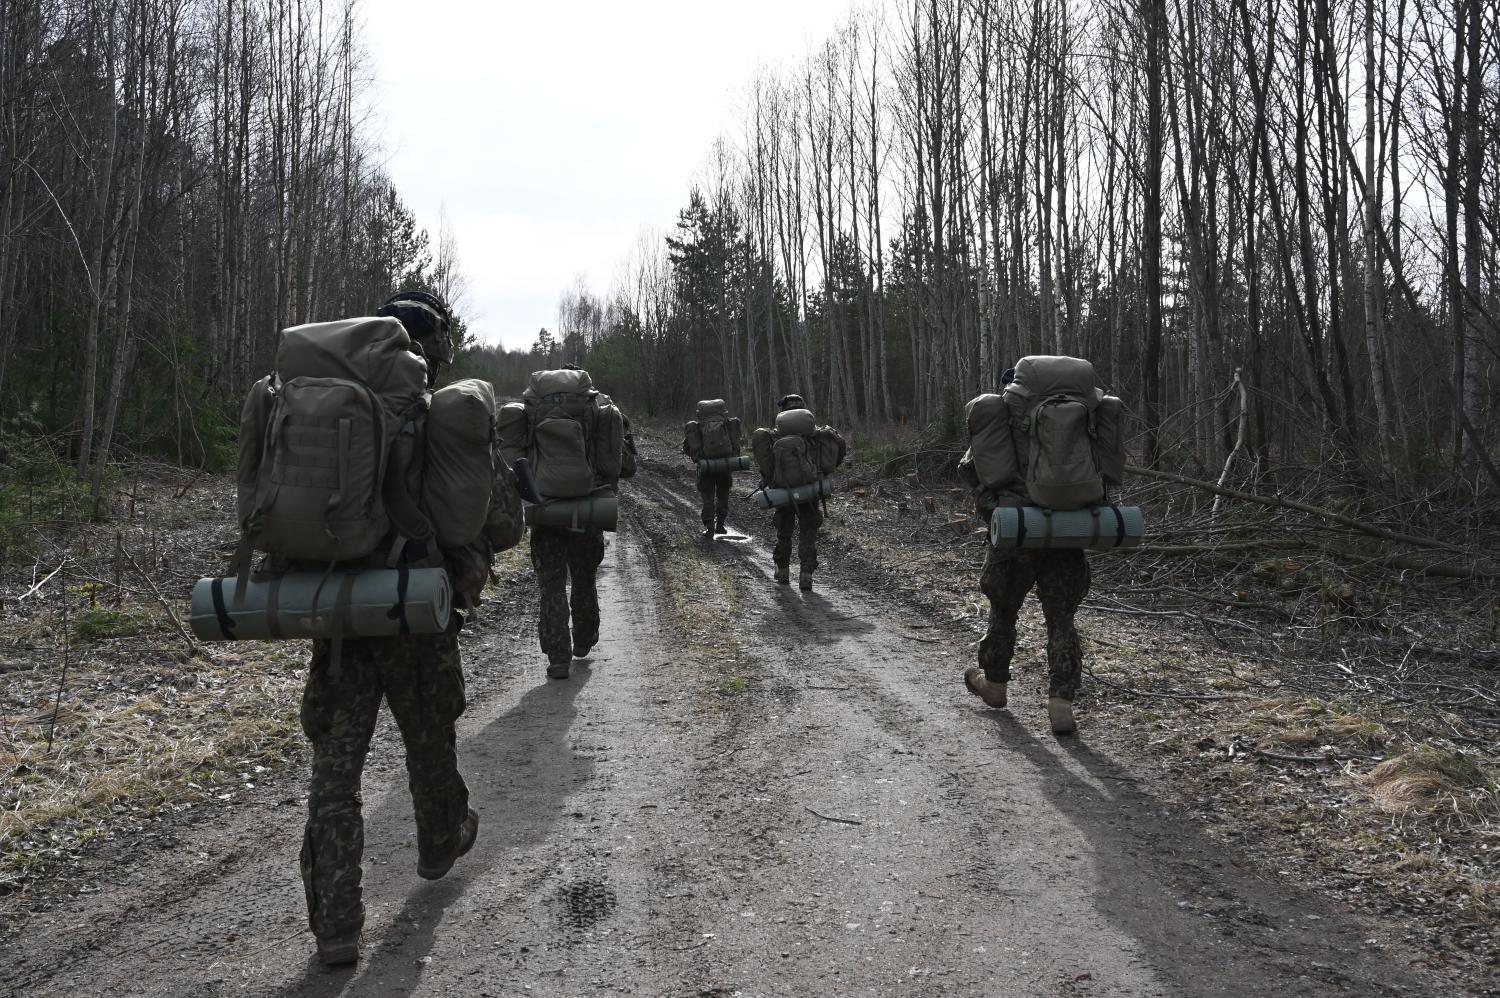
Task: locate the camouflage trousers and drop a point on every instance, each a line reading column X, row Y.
column 1061, row 578
column 561, row 557
column 421, row 677
column 715, row 491
column 805, row 518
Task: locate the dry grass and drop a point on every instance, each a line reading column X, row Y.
column 704, row 600
column 1429, row 779
column 144, row 721
column 166, row 732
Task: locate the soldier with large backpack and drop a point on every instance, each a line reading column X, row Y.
column 1049, row 447
column 795, row 459
column 575, row 445
column 712, row 441
column 354, row 474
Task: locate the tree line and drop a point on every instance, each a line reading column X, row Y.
column 179, row 180
column 1271, row 225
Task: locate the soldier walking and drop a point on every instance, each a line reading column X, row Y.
column 797, row 452
column 585, row 462
column 421, row 677
column 712, row 440
column 1055, row 404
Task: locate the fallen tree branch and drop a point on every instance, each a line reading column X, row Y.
column 1186, row 550
column 1164, row 696
column 1302, row 507
column 1283, row 757
column 1407, row 563
column 171, row 614
column 1238, row 746
column 39, row 585
column 829, row 817
column 1397, row 561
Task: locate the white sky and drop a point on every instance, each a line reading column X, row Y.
column 553, row 133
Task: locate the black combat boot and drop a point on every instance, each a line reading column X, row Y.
column 783, row 574
column 468, row 831
column 719, row 526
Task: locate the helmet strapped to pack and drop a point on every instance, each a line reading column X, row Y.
column 427, row 320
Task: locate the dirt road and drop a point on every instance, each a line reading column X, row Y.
column 747, row 791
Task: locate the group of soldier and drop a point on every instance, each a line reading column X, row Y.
column 421, row 676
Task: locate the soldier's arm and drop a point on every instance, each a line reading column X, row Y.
column 504, row 524
column 627, row 450
column 988, row 499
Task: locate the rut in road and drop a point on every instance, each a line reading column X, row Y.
column 747, row 790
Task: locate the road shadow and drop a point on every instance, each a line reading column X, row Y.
column 520, row 769
column 1203, row 923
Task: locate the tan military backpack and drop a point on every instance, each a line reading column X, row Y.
column 570, row 435
column 1052, row 429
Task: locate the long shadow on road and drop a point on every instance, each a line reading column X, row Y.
column 1201, row 923
column 520, row 769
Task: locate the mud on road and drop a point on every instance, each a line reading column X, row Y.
column 746, row 790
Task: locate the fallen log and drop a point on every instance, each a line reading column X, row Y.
column 1372, row 530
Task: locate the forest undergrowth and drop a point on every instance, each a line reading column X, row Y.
column 110, row 713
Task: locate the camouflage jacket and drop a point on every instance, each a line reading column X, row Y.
column 627, row 452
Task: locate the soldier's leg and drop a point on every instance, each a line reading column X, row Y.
column 549, row 556
column 424, row 682
column 1006, row 579
column 707, row 484
column 585, row 553
column 721, row 500
column 809, row 519
column 339, row 707
column 786, row 524
column 1062, row 584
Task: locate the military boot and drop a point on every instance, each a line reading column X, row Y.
column 1060, row 713
column 993, row 694
column 558, row 670
column 719, row 526
column 783, row 574
column 340, row 950
column 804, row 581
column 468, row 831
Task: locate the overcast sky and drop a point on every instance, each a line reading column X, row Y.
column 552, row 134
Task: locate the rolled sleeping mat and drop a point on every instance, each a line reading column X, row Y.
column 587, row 513
column 374, row 603
column 1096, row 527
column 719, row 465
column 771, row 496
